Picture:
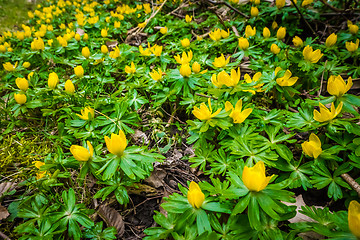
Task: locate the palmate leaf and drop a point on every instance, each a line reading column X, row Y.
column 303, row 120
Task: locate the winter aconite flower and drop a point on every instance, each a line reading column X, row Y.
column 37, row 44
column 53, row 80
column 85, row 52
column 215, row 35
column 254, row 178
column 352, row 47
column 331, row 40
column 337, row 87
column 104, row 32
column 205, row 113
column 195, row 196
column 312, row 148
column 82, row 154
column 243, row 43
column 185, row 70
column 20, row 98
column 9, row 67
column 255, row 78
column 306, row 2
column 188, row 18
column 274, row 49
column 69, row 87
column 225, row 79
column 354, row 218
column 281, row 33
column 26, row 64
column 196, row 67
column 254, row 11
column 311, row 55
column 104, row 49
column 163, row 30
column 353, row 29
column 79, row 71
column 130, row 69
column 298, row 42
column 220, row 62
column 237, row 114
column 117, row 143
column 185, row 42
column 280, row 3
column 249, row 31
column 185, row 58
column 325, row 114
column 22, row 84
column 156, row 75
column 87, row 113
column 266, row 32
column 286, row 80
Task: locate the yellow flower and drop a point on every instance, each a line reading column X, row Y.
column 237, row 114
column 331, row 40
column 79, row 71
column 185, row 42
column 280, row 3
column 281, row 33
column 104, row 32
column 221, row 61
column 53, row 80
column 312, row 148
column 254, row 11
column 50, row 42
column 77, row 37
column 354, row 218
column 142, row 25
column 37, row 44
column 286, row 80
column 115, row 53
column 26, row 64
column 336, row 85
column 205, row 113
column 254, row 178
column 69, row 87
column 156, row 50
column 85, row 37
column 249, row 31
column 130, row 70
column 117, row 24
column 87, row 113
column 104, row 49
column 20, row 98
column 298, row 42
column 274, row 24
column 225, row 34
column 306, row 2
column 195, row 196
column 156, row 75
column 38, row 165
column 185, row 58
column 352, row 47
column 275, row 48
column 30, row 75
column 215, row 35
column 243, row 43
column 117, row 143
column 266, row 32
column 311, row 55
column 85, row 52
column 196, row 67
column 82, row 154
column 188, row 18
column 62, row 41
column 22, row 84
column 9, row 67
column 147, row 8
column 224, row 79
column 325, row 115
column 145, row 52
column 185, row 70
column 353, row 28
column 255, row 78
column 163, row 30
column 2, row 48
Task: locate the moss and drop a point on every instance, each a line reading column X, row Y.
column 14, row 13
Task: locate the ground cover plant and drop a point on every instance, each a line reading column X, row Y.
column 181, row 120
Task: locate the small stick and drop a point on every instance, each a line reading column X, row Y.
column 202, row 95
column 302, row 16
column 353, row 184
column 322, row 80
column 229, row 6
column 3, row 236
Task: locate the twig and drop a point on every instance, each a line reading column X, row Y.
column 181, row 6
column 235, row 31
column 302, row 16
column 322, row 79
column 330, row 6
column 220, row 19
column 3, row 236
column 351, row 182
column 229, row 6
column 202, row 95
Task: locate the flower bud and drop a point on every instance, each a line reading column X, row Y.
column 22, row 84
column 254, row 12
column 281, row 33
column 185, row 70
column 195, row 196
column 298, row 42
column 243, row 43
column 104, row 49
column 53, row 80
column 331, row 40
column 185, row 42
column 274, row 48
column 69, row 87
column 85, row 52
column 266, row 32
column 26, row 64
column 196, row 67
column 79, row 71
column 20, row 98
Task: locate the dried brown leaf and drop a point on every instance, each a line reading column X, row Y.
column 6, row 187
column 112, row 218
column 3, row 212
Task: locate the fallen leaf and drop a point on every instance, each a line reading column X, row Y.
column 6, row 187
column 112, row 218
column 156, row 178
column 3, row 213
column 299, row 217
